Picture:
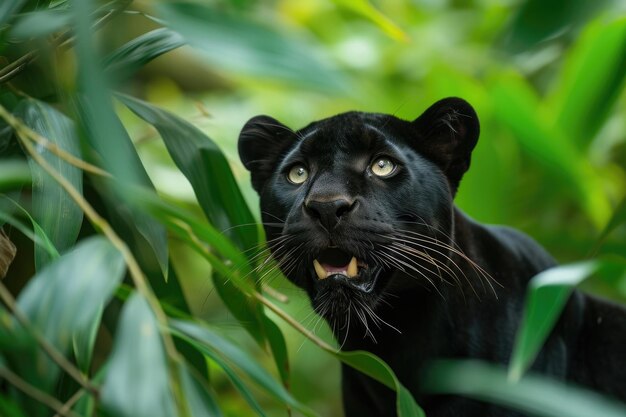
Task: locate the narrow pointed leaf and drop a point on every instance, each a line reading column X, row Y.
column 137, row 381
column 130, row 57
column 67, row 297
column 535, row 395
column 199, row 395
column 210, row 340
column 206, row 168
column 53, row 209
column 244, row 46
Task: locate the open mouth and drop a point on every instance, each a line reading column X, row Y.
column 334, row 261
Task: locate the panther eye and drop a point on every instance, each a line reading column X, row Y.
column 383, row 167
column 297, row 174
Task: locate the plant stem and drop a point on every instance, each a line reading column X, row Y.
column 35, row 393
column 50, row 350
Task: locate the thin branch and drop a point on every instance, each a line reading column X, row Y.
column 70, row 403
column 99, row 223
column 35, row 393
column 50, row 350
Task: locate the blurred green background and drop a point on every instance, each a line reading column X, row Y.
column 546, row 78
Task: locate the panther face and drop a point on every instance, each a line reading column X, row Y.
column 360, row 204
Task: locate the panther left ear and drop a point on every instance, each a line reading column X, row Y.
column 448, row 132
column 262, row 141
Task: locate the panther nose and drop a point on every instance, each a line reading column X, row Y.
column 328, row 212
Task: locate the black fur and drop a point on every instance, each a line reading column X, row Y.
column 437, row 284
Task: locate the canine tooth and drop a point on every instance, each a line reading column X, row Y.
column 352, row 268
column 319, row 269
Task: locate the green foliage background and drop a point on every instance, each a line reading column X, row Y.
column 135, row 290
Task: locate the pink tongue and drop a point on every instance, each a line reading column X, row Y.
column 331, row 268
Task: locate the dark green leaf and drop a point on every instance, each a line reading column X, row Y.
column 199, row 395
column 130, row 57
column 137, row 381
column 56, row 212
column 592, row 80
column 13, row 174
column 538, row 396
column 83, row 342
column 211, row 341
column 107, row 135
column 237, row 44
column 67, row 296
column 40, row 23
column 206, row 168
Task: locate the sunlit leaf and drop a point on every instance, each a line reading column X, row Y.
column 365, row 8
column 548, row 293
column 593, row 78
column 133, row 55
column 206, row 168
column 237, row 44
column 211, row 341
column 67, row 296
column 518, row 108
column 137, row 380
column 13, row 173
column 56, row 212
column 535, row 395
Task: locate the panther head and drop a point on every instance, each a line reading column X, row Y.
column 359, row 205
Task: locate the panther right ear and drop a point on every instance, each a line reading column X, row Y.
column 262, row 141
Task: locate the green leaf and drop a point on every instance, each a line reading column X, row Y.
column 56, row 212
column 206, row 168
column 8, row 8
column 39, row 237
column 516, row 106
column 107, row 135
column 13, row 174
column 133, row 55
column 548, row 293
column 137, row 381
column 592, row 80
column 199, row 395
column 237, row 44
column 210, row 341
column 535, row 395
column 84, row 340
column 67, row 296
column 40, row 23
column 365, row 9
column 376, row 368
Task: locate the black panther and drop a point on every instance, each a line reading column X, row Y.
column 358, row 211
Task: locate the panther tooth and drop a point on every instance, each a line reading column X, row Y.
column 319, row 269
column 352, row 268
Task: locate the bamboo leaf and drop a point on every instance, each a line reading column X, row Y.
column 67, row 297
column 8, row 8
column 199, row 395
column 13, row 174
column 548, row 293
column 40, row 23
column 365, row 9
column 593, row 78
column 535, row 395
column 52, row 208
column 206, row 168
column 237, row 44
column 137, row 381
column 210, row 341
column 133, row 55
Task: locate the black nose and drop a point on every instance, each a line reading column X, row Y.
column 328, row 212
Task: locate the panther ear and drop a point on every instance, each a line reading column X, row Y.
column 448, row 132
column 261, row 142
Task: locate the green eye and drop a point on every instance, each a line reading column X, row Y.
column 297, row 174
column 383, row 167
